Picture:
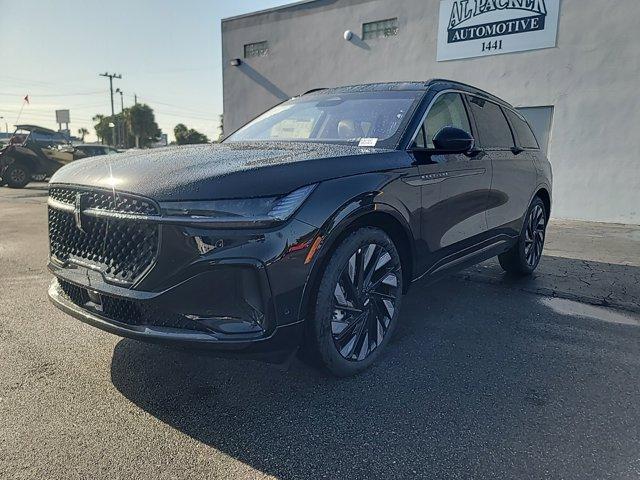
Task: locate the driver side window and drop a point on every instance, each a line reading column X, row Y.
column 447, row 111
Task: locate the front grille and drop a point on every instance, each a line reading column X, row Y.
column 129, row 312
column 122, row 249
column 105, row 200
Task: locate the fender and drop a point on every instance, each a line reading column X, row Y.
column 341, row 222
column 16, row 156
column 547, row 188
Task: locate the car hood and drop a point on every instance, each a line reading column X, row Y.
column 227, row 170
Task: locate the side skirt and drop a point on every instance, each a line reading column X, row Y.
column 467, row 257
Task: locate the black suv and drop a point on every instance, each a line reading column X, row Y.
column 304, row 227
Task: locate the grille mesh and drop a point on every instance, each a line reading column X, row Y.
column 74, row 293
column 128, row 311
column 121, row 249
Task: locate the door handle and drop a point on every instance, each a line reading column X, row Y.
column 474, row 153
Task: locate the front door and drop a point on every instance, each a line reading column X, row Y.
column 454, row 186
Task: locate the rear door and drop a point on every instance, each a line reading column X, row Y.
column 454, row 186
column 514, row 174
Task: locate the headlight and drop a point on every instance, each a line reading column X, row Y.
column 240, row 212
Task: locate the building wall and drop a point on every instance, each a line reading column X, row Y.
column 591, row 78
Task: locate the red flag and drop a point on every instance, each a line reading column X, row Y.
column 26, row 98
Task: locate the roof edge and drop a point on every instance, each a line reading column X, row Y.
column 267, row 10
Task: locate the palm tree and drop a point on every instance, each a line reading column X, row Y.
column 99, row 119
column 82, row 132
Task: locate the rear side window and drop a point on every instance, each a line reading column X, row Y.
column 447, row 111
column 493, row 129
column 526, row 137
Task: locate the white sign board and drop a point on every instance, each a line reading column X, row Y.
column 477, row 28
column 62, row 116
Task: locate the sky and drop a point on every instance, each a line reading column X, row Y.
column 167, row 52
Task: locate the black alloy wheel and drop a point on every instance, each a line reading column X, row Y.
column 534, row 235
column 358, row 302
column 364, row 303
column 17, row 176
column 525, row 255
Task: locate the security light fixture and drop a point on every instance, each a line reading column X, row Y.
column 235, row 62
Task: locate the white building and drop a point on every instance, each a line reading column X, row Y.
column 572, row 66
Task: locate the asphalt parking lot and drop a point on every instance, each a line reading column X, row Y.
column 487, row 377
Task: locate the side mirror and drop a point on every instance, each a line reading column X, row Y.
column 453, row 140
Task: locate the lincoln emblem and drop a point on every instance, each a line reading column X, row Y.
column 77, row 211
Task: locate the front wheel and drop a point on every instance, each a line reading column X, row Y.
column 524, row 256
column 357, row 303
column 16, row 175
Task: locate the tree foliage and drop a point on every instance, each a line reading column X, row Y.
column 186, row 135
column 139, row 122
column 83, row 132
column 103, row 131
column 221, row 127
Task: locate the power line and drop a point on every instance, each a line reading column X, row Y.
column 37, row 95
column 179, row 107
column 185, row 116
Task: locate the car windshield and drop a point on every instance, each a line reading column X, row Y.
column 367, row 118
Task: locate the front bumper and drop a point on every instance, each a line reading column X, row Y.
column 231, row 291
column 277, row 346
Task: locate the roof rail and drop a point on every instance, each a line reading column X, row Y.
column 476, row 89
column 314, row 90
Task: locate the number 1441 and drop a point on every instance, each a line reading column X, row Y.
column 495, row 45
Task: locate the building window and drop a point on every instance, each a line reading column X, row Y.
column 379, row 29
column 258, row 49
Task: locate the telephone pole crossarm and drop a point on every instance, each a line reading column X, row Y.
column 111, row 76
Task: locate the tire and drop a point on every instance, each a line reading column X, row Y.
column 524, row 256
column 16, row 175
column 341, row 339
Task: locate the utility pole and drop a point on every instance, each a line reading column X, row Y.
column 121, row 100
column 135, row 102
column 111, row 76
column 123, row 135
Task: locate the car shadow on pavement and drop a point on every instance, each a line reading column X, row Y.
column 586, row 281
column 478, row 381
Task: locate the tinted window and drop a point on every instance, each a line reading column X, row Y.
column 525, row 136
column 447, row 110
column 493, row 128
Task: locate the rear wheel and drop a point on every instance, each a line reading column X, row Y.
column 357, row 303
column 16, row 175
column 524, row 256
